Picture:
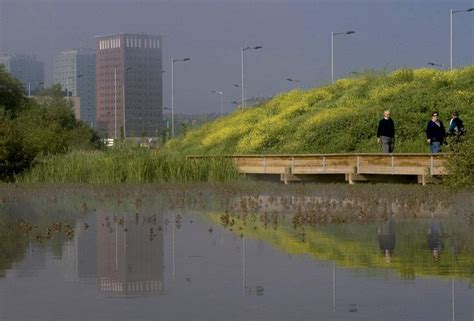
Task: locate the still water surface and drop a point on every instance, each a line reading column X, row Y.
column 103, row 264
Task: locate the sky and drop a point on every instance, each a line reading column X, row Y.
column 295, row 36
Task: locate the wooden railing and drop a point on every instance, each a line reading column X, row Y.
column 354, row 166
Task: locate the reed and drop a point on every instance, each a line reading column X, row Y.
column 128, row 165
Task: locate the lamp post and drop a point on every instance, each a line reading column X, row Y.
column 452, row 12
column 29, row 87
column 242, row 65
column 332, row 49
column 172, row 91
column 221, row 94
column 436, row 65
column 123, row 102
column 296, row 81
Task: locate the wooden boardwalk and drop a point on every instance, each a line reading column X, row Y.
column 354, row 167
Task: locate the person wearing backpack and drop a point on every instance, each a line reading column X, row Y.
column 456, row 128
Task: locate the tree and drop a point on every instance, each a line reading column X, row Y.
column 11, row 94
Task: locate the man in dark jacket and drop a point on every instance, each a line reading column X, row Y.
column 386, row 133
column 435, row 133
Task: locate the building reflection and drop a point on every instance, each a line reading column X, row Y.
column 129, row 255
column 78, row 255
column 33, row 261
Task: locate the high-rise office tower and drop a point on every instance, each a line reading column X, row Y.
column 129, row 84
column 27, row 69
column 74, row 70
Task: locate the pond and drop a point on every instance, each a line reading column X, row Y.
column 75, row 255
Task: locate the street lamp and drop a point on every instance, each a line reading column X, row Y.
column 332, row 49
column 451, row 34
column 436, row 65
column 172, row 91
column 123, row 102
column 29, row 87
column 219, row 93
column 296, row 81
column 242, row 65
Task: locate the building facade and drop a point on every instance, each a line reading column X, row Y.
column 27, row 69
column 129, row 85
column 74, row 70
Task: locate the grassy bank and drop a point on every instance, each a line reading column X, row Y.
column 128, row 165
column 341, row 117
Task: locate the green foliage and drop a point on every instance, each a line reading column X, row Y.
column 461, row 163
column 341, row 117
column 11, row 94
column 31, row 128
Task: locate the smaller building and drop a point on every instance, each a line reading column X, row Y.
column 27, row 69
column 74, row 70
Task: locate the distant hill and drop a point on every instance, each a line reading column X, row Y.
column 341, row 117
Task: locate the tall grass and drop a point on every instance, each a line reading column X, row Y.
column 128, row 165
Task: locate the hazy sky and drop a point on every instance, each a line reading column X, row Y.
column 295, row 36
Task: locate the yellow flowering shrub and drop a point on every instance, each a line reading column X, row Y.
column 341, row 117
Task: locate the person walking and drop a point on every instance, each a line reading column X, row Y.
column 456, row 128
column 435, row 133
column 386, row 133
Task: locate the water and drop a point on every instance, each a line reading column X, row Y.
column 142, row 262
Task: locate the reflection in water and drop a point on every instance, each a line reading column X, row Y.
column 129, row 256
column 78, row 259
column 352, row 245
column 33, row 260
column 386, row 237
column 243, row 265
column 124, row 256
column 435, row 238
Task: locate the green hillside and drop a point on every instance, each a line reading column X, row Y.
column 341, row 117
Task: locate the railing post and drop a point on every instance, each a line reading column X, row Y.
column 393, row 165
column 292, row 165
column 358, row 165
column 265, row 165
column 432, row 165
column 324, row 164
